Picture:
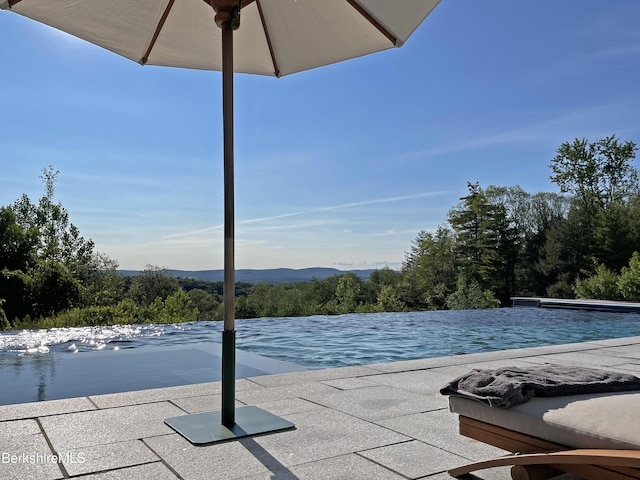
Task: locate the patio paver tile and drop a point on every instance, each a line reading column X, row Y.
column 270, row 394
column 379, row 402
column 313, row 375
column 418, row 381
column 219, row 461
column 408, row 458
column 112, row 400
column 86, row 429
column 322, row 434
column 41, row 409
column 155, row 471
column 345, row 467
column 107, row 457
column 440, row 429
column 27, row 456
column 204, row 403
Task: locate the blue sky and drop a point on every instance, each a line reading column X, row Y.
column 340, row 166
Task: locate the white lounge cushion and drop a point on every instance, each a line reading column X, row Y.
column 603, row 420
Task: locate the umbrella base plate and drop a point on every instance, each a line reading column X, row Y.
column 203, row 428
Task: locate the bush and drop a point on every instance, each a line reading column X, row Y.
column 4, row 322
column 470, row 295
column 602, row 285
column 629, row 282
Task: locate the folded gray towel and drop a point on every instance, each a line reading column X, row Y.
column 504, row 387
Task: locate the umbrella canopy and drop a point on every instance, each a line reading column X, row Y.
column 278, row 37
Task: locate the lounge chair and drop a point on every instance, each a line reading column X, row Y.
column 595, row 436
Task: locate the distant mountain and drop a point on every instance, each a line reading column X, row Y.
column 272, row 276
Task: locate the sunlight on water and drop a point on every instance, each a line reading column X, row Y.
column 81, row 339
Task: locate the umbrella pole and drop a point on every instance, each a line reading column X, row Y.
column 229, row 333
column 229, row 423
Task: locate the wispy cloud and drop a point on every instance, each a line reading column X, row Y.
column 209, row 230
column 348, row 205
column 553, row 129
column 390, row 233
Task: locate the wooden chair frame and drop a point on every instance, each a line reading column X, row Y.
column 543, row 459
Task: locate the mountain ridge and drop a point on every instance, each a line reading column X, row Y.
column 270, row 275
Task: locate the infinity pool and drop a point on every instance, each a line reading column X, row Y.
column 66, row 362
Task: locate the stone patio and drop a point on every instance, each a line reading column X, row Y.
column 384, row 421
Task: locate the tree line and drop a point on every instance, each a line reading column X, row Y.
column 497, row 242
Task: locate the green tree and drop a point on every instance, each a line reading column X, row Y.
column 486, row 242
column 629, row 282
column 177, row 307
column 603, row 284
column 53, row 289
column 568, row 251
column 546, row 211
column 389, row 300
column 4, row 321
column 470, row 295
column 153, row 282
column 102, row 284
column 17, row 244
column 347, row 293
column 598, row 174
column 429, row 270
column 205, row 302
column 377, row 281
column 615, row 235
column 59, row 240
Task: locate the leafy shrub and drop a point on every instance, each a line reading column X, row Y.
column 601, row 285
column 629, row 282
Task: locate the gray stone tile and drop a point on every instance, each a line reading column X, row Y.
column 520, row 363
column 18, row 428
column 41, row 409
column 155, row 471
column 613, row 342
column 204, row 403
column 162, row 394
column 106, row 457
column 85, row 429
column 627, row 351
column 418, row 381
column 376, row 403
column 270, row 394
column 345, row 467
column 289, row 405
column 429, row 363
column 322, row 434
column 413, row 459
column 440, row 429
column 218, row 461
column 27, row 456
column 452, row 371
column 586, row 359
column 349, row 383
column 312, row 376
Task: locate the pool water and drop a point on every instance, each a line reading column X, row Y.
column 66, row 362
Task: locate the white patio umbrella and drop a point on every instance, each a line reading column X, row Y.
column 277, row 37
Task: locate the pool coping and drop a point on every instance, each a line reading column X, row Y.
column 381, row 421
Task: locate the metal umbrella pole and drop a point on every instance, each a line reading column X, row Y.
column 229, row 333
column 228, row 423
